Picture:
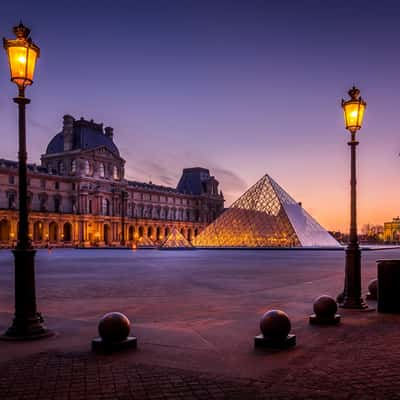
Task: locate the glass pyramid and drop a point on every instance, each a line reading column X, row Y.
column 176, row 240
column 265, row 216
column 145, row 242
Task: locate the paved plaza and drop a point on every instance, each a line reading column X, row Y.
column 195, row 314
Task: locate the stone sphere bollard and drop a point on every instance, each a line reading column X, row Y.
column 114, row 329
column 325, row 309
column 275, row 324
column 373, row 290
column 275, row 328
column 325, row 306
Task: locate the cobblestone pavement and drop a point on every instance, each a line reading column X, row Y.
column 195, row 315
column 359, row 363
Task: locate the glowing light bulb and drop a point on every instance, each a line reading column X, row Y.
column 22, row 59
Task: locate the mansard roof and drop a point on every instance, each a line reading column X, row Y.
column 14, row 164
column 193, row 179
column 86, row 135
column 152, row 186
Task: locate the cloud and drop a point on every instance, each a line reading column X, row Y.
column 41, row 126
column 157, row 172
column 230, row 179
column 167, row 171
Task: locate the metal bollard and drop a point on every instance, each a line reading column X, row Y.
column 388, row 286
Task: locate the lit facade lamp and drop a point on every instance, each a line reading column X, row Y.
column 353, row 110
column 22, row 56
column 27, row 323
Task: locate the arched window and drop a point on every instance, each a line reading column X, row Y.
column 87, row 167
column 67, row 232
column 38, row 231
column 73, row 166
column 53, row 232
column 115, row 172
column 4, row 230
column 131, row 233
column 101, row 170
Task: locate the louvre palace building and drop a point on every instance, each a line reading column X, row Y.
column 79, row 196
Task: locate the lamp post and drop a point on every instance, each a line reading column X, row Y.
column 27, row 323
column 353, row 109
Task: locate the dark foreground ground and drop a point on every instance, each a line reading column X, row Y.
column 195, row 314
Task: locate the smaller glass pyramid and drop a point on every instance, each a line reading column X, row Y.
column 176, row 240
column 265, row 216
column 145, row 241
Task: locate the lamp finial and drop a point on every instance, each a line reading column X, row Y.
column 21, row 31
column 354, row 93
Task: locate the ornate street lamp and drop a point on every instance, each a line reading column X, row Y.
column 28, row 323
column 353, row 109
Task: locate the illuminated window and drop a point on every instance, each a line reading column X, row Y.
column 87, row 167
column 73, row 166
column 115, row 173
column 101, row 170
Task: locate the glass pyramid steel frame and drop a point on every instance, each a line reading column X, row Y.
column 265, row 216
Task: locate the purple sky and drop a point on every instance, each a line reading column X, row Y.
column 241, row 87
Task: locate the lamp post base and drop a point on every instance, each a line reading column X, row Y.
column 355, row 304
column 351, row 295
column 18, row 332
column 27, row 323
column 27, row 329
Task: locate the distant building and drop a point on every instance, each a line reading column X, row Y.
column 391, row 230
column 372, row 233
column 79, row 196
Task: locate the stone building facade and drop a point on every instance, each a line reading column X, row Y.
column 79, row 196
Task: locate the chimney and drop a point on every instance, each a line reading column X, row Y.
column 68, row 132
column 109, row 132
